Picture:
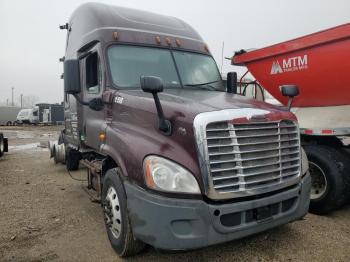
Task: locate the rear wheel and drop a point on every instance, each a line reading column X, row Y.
column 72, row 159
column 329, row 172
column 118, row 225
column 319, row 181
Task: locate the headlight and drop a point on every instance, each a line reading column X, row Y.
column 164, row 175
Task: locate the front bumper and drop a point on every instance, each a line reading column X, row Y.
column 178, row 224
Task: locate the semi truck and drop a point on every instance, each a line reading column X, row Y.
column 318, row 64
column 28, row 116
column 176, row 159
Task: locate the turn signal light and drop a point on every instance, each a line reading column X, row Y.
column 148, row 176
column 102, row 137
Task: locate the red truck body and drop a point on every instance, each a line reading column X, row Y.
column 318, row 64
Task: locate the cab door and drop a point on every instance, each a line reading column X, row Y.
column 92, row 87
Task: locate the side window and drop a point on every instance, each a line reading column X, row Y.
column 93, row 74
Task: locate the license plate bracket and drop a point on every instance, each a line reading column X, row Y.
column 262, row 213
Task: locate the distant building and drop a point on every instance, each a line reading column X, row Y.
column 51, row 113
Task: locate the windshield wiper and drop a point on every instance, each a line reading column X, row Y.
column 204, row 84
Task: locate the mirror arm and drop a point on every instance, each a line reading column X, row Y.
column 154, row 85
column 80, row 101
column 96, row 104
column 290, row 101
column 289, row 91
column 164, row 124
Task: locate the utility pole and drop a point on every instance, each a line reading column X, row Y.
column 21, row 100
column 7, row 102
column 12, row 95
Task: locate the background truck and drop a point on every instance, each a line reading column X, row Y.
column 42, row 113
column 28, row 116
column 319, row 65
column 8, row 115
column 3, row 144
column 177, row 160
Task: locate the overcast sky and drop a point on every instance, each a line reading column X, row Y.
column 31, row 43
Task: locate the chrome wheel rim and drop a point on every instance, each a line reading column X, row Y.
column 318, row 181
column 112, row 212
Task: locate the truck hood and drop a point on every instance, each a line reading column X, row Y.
column 198, row 101
column 187, row 103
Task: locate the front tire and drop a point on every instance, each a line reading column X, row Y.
column 116, row 215
column 329, row 172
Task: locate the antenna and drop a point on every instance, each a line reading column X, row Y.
column 222, row 56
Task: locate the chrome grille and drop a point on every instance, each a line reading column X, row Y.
column 252, row 156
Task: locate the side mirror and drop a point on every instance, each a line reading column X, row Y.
column 289, row 91
column 231, row 83
column 154, row 85
column 71, row 77
column 151, row 84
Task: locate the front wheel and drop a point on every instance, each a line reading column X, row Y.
column 116, row 216
column 329, row 178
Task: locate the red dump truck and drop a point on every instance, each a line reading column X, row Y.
column 318, row 64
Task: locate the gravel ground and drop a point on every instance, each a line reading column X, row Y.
column 47, row 216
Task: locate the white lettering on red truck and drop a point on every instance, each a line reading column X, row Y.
column 289, row 64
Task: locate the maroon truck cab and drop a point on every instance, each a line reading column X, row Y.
column 177, row 160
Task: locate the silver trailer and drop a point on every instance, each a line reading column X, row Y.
column 8, row 115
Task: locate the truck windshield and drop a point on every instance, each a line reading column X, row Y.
column 197, row 70
column 24, row 113
column 128, row 63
